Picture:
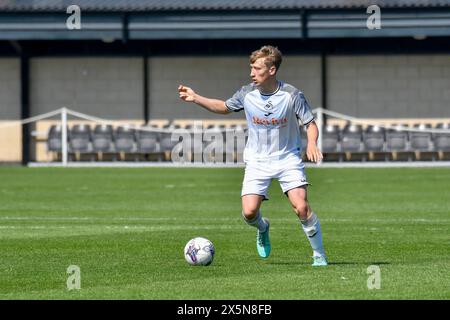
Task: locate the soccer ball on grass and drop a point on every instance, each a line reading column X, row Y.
column 199, row 252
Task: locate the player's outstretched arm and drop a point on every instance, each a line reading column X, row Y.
column 312, row 151
column 213, row 105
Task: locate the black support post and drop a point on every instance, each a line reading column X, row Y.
column 146, row 105
column 25, row 105
column 324, row 84
column 304, row 24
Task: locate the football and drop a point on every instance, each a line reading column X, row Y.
column 199, row 252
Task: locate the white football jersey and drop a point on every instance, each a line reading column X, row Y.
column 273, row 120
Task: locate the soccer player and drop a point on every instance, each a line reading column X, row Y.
column 273, row 110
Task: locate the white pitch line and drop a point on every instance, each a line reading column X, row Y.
column 9, row 218
column 367, row 164
column 130, row 228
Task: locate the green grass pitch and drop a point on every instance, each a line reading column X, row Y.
column 126, row 230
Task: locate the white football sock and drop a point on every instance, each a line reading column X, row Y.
column 313, row 232
column 257, row 222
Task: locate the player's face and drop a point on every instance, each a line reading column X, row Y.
column 260, row 73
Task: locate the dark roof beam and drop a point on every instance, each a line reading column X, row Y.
column 16, row 46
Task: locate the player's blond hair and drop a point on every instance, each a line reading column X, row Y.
column 271, row 54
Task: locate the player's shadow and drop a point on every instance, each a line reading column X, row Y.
column 356, row 263
column 331, row 263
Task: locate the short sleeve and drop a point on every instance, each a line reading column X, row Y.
column 302, row 108
column 236, row 102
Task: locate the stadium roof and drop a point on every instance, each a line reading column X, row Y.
column 171, row 5
column 225, row 19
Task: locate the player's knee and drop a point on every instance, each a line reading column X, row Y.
column 249, row 212
column 301, row 209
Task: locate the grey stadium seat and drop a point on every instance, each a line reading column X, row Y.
column 234, row 148
column 102, row 138
column 147, row 141
column 330, row 138
column 421, row 140
column 214, row 143
column 80, row 138
column 124, row 139
column 196, row 151
column 442, row 140
column 54, row 140
column 351, row 138
column 374, row 137
column 166, row 142
column 397, row 139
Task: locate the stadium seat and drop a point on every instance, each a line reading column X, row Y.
column 80, row 138
column 196, row 132
column 54, row 140
column 374, row 138
column 102, row 138
column 330, row 143
column 214, row 143
column 124, row 141
column 421, row 142
column 351, row 138
column 397, row 142
column 80, row 142
column 102, row 141
column 147, row 141
column 330, row 138
column 235, row 140
column 166, row 143
column 374, row 142
column 442, row 140
column 397, row 139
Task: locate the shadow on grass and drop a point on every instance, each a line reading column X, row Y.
column 330, row 263
column 357, row 263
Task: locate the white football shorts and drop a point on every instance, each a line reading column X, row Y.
column 290, row 173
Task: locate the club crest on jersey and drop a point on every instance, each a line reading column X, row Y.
column 268, row 106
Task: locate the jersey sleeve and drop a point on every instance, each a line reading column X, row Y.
column 236, row 102
column 302, row 108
